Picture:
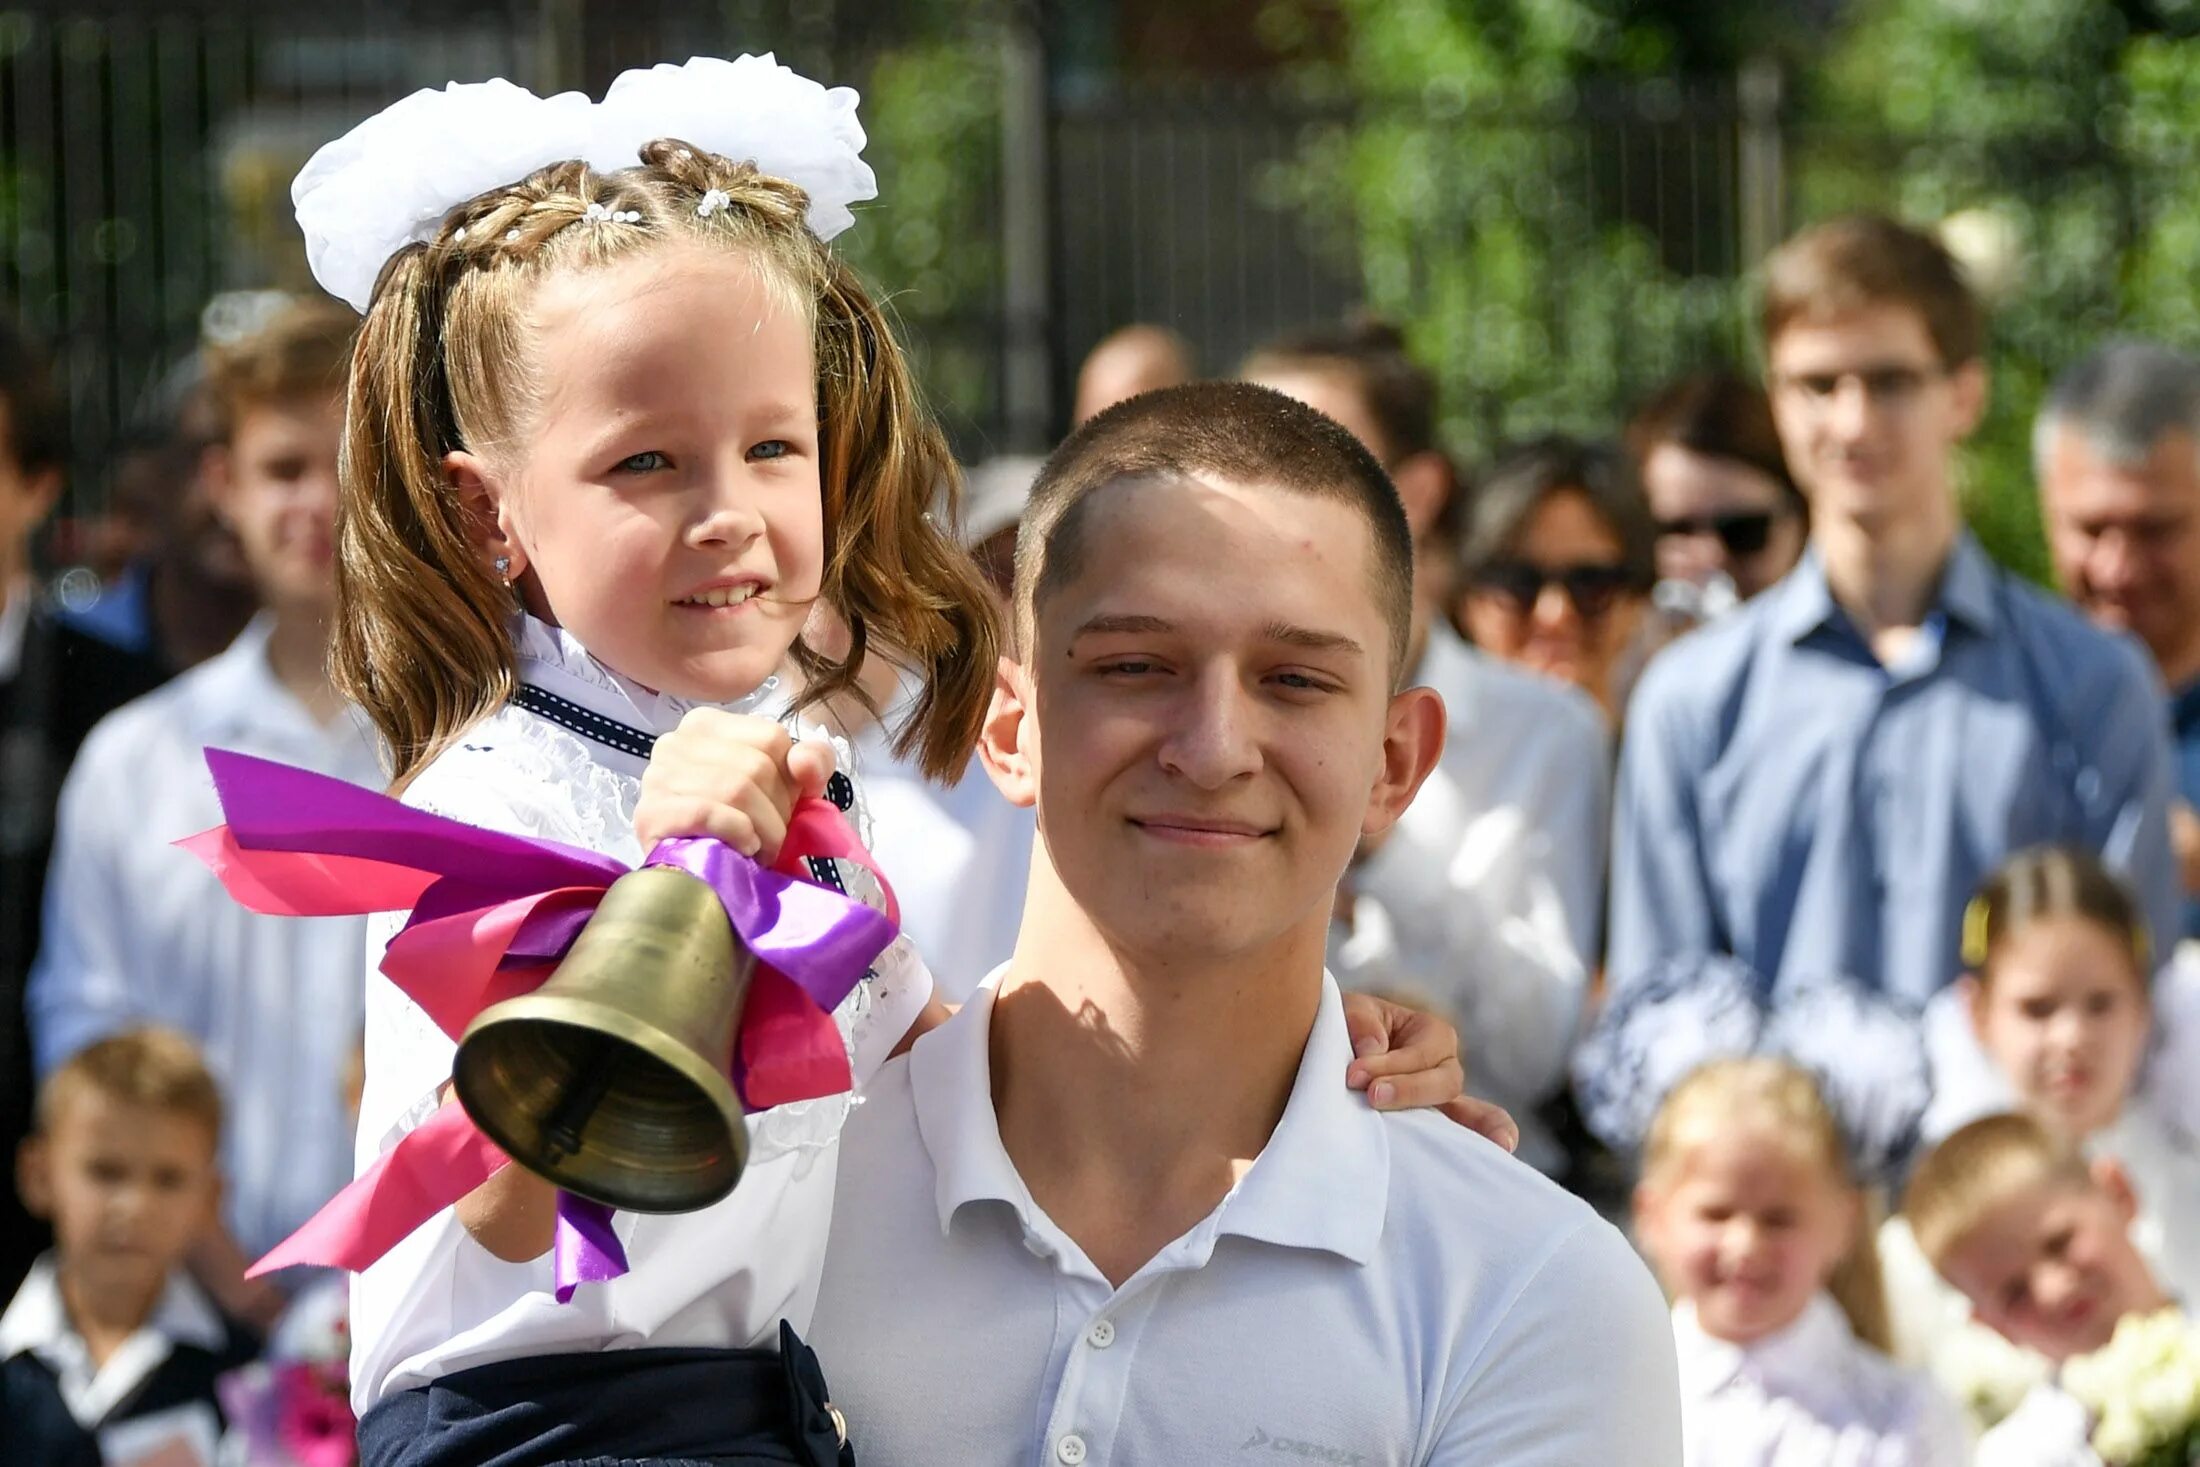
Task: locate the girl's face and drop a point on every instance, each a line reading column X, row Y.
column 1747, row 1228
column 667, row 509
column 1559, row 601
column 2064, row 1017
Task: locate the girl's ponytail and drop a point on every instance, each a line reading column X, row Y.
column 421, row 638
column 904, row 588
column 1859, row 1284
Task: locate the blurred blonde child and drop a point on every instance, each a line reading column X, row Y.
column 2056, row 993
column 109, row 1353
column 2039, row 1241
column 1750, row 1211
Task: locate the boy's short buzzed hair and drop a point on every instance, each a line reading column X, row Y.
column 1225, row 430
column 1863, row 260
column 1974, row 1171
column 158, row 1069
column 302, row 353
column 33, row 427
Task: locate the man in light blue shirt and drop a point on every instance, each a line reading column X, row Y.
column 1817, row 784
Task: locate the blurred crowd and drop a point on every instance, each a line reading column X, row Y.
column 1757, row 768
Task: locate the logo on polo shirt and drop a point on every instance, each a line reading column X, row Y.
column 1304, row 1451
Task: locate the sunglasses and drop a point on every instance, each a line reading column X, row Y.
column 1593, row 589
column 1745, row 533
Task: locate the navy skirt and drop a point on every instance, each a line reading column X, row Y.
column 617, row 1408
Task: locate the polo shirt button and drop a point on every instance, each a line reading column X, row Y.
column 1101, row 1335
column 1070, row 1450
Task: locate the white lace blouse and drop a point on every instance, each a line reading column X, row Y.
column 722, row 1277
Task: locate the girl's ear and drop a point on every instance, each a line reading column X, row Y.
column 1973, row 993
column 487, row 508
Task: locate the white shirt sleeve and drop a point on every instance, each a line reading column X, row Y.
column 1581, row 1369
column 81, row 985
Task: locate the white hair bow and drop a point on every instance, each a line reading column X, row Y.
column 390, row 180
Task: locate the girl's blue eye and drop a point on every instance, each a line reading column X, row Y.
column 772, row 448
column 646, row 462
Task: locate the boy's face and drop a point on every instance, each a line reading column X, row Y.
column 25, row 499
column 1204, row 718
column 274, row 485
column 2064, row 1018
column 1868, row 414
column 128, row 1188
column 2051, row 1266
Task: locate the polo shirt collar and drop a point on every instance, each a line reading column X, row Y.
column 37, row 1323
column 1321, row 1182
column 1965, row 593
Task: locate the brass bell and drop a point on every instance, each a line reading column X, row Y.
column 610, row 1079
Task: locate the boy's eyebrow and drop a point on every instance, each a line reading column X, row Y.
column 1106, row 624
column 1291, row 634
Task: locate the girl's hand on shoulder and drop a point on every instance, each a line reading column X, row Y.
column 731, row 776
column 1409, row 1060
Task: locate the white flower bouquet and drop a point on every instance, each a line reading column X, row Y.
column 2143, row 1390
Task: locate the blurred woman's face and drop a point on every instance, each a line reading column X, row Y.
column 1718, row 516
column 1559, row 601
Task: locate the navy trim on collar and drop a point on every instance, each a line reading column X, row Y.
column 590, row 725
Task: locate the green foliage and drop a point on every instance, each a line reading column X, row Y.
column 1501, row 227
column 932, row 111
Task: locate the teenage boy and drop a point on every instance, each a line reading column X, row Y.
column 1817, row 783
column 1117, row 1210
column 135, row 931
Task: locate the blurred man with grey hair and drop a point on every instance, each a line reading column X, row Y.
column 2118, row 452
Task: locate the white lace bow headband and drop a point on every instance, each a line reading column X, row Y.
column 390, row 180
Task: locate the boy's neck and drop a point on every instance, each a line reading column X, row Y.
column 297, row 653
column 1120, row 1075
column 105, row 1315
column 1887, row 578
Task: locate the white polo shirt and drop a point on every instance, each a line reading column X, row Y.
column 1376, row 1289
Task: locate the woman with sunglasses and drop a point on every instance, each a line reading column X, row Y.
column 1730, row 519
column 1557, row 558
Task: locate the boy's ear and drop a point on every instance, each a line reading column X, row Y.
column 34, row 1176
column 2115, row 1184
column 1003, row 736
column 487, row 511
column 1413, row 740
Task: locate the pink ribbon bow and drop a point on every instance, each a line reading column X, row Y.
column 491, row 914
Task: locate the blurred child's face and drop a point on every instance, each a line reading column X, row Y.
column 669, row 510
column 2064, row 1018
column 128, row 1188
column 1747, row 1228
column 2052, row 1267
column 274, row 485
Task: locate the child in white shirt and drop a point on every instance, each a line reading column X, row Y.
column 2038, row 1240
column 1749, row 1209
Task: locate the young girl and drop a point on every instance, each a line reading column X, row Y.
column 2058, row 997
column 1749, row 1212
column 614, row 429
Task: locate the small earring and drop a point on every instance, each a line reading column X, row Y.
column 504, row 569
